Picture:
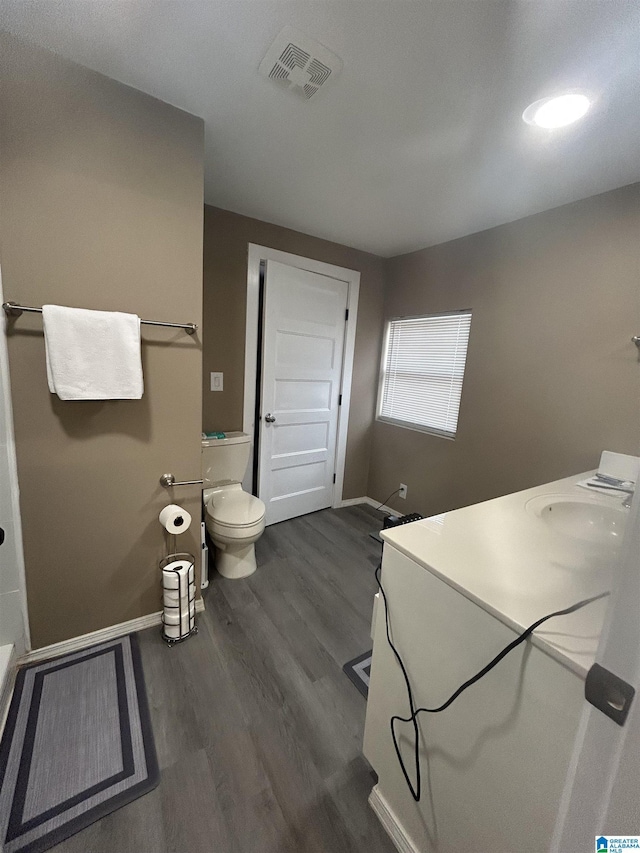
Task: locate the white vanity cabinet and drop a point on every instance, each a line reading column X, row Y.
column 493, row 763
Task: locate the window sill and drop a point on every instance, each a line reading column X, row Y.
column 416, row 428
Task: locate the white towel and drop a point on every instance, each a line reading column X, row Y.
column 92, row 355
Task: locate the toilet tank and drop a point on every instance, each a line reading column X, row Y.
column 224, row 460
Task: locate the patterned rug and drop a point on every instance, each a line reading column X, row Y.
column 358, row 670
column 77, row 745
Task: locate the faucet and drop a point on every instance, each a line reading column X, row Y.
column 627, row 498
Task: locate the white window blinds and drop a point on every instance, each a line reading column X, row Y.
column 422, row 373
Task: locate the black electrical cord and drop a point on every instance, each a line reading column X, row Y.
column 389, row 498
column 412, row 718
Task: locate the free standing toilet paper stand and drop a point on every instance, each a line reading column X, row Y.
column 185, row 608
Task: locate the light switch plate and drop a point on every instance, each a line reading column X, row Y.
column 216, row 382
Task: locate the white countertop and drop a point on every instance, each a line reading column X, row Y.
column 509, row 561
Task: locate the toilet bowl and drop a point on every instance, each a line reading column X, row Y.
column 235, row 522
column 234, row 519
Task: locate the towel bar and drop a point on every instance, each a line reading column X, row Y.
column 14, row 310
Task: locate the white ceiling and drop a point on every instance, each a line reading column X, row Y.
column 420, row 139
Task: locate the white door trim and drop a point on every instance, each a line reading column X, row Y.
column 257, row 254
column 13, row 548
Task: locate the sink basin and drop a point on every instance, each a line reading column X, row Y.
column 581, row 518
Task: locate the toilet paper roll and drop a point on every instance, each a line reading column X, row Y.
column 174, row 632
column 172, row 618
column 172, row 604
column 177, row 575
column 173, row 596
column 176, row 626
column 175, row 519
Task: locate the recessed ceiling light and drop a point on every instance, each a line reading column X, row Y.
column 557, row 112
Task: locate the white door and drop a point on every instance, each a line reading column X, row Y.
column 303, row 343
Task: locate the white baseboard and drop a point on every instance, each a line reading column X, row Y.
column 390, row 823
column 382, row 507
column 75, row 644
column 369, row 501
column 350, row 502
column 7, row 680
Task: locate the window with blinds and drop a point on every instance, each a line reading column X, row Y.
column 422, row 372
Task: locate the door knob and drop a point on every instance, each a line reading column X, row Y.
column 269, row 419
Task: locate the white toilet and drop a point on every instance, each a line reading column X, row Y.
column 234, row 518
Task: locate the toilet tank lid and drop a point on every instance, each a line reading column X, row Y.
column 229, row 438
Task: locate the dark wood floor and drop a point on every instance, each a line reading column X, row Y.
column 258, row 731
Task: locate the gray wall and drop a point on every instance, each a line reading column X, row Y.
column 102, row 208
column 552, row 377
column 226, row 239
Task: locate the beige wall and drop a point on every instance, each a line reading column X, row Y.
column 101, row 191
column 552, row 377
column 101, row 208
column 226, row 239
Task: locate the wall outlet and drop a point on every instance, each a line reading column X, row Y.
column 403, row 491
column 216, row 382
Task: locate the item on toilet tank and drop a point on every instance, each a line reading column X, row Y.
column 175, row 519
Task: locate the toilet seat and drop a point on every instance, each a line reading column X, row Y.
column 235, row 509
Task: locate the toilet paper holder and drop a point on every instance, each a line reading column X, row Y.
column 168, row 480
column 185, row 607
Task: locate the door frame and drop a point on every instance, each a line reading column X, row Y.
column 256, row 254
column 13, row 546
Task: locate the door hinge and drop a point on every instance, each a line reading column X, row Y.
column 346, row 315
column 334, row 478
column 339, row 399
column 608, row 693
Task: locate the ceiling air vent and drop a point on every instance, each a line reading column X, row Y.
column 296, row 62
